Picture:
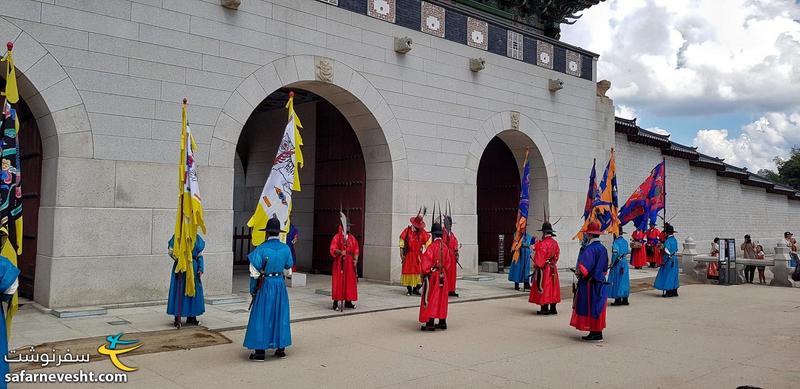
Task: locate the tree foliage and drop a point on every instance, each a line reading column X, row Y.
column 788, row 169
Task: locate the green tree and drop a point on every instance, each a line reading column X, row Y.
column 789, row 169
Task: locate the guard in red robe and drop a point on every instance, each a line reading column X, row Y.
column 413, row 240
column 546, row 288
column 344, row 280
column 437, row 266
column 638, row 250
column 452, row 243
column 654, row 245
column 589, row 304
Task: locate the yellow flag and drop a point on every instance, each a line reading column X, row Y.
column 11, row 251
column 189, row 216
column 284, row 178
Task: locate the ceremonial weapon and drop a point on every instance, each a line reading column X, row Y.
column 259, row 282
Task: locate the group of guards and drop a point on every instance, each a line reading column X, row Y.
column 429, row 260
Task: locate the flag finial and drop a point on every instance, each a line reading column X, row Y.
column 291, row 94
column 10, row 45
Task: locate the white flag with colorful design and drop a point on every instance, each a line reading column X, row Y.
column 284, row 178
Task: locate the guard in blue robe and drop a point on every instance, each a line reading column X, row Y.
column 589, row 304
column 667, row 279
column 268, row 327
column 179, row 304
column 520, row 271
column 618, row 275
column 8, row 286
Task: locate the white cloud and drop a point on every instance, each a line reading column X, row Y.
column 624, row 111
column 681, row 57
column 658, row 130
column 757, row 145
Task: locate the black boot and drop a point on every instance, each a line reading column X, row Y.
column 593, row 336
column 442, row 325
column 280, row 353
column 335, row 305
column 615, row 303
column 415, row 291
column 258, row 355
column 527, row 286
column 625, row 301
column 545, row 310
column 177, row 322
column 553, row 310
column 349, row 304
column 516, row 286
column 452, row 294
column 428, row 326
column 192, row 321
column 409, row 291
column 674, row 292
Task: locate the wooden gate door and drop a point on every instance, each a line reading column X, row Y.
column 30, row 144
column 498, row 200
column 339, row 180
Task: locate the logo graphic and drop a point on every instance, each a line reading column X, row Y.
column 113, row 352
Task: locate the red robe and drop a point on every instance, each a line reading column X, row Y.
column 545, row 258
column 654, row 240
column 437, row 294
column 453, row 244
column 414, row 243
column 639, row 256
column 344, row 283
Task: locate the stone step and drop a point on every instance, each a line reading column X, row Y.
column 62, row 313
column 225, row 299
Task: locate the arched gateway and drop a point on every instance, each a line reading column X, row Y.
column 497, row 155
column 354, row 153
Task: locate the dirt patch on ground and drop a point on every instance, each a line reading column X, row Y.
column 186, row 338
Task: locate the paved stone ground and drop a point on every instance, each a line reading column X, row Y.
column 32, row 327
column 709, row 337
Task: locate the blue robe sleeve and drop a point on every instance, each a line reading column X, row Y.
column 8, row 274
column 289, row 259
column 585, row 263
column 199, row 246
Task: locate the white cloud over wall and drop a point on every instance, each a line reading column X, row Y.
column 688, row 57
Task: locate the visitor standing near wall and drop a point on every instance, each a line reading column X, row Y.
column 749, row 252
column 760, row 255
column 667, row 279
column 791, row 243
column 713, row 267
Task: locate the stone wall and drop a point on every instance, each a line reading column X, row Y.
column 105, row 80
column 703, row 205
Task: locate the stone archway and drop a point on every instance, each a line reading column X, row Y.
column 364, row 108
column 507, row 135
column 66, row 139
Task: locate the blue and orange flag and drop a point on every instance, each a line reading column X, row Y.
column 522, row 214
column 646, row 201
column 601, row 200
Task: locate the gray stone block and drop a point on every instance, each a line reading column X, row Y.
column 94, row 187
column 87, row 21
column 225, row 299
column 489, row 267
column 67, row 312
column 297, row 280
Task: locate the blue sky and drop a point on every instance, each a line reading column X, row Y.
column 722, row 75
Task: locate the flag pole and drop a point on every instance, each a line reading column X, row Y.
column 664, row 161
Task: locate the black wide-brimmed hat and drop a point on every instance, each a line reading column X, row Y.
column 547, row 228
column 273, row 226
column 436, row 229
column 669, row 229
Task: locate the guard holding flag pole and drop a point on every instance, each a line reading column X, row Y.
column 589, row 303
column 186, row 245
column 268, row 326
column 344, row 279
